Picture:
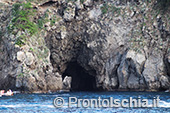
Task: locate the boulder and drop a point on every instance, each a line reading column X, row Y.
column 21, row 56
column 67, row 83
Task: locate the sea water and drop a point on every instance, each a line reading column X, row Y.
column 43, row 103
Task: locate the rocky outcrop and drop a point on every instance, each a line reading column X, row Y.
column 67, row 83
column 89, row 45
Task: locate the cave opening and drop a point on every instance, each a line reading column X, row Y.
column 81, row 80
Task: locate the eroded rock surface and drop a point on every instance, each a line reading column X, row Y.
column 97, row 41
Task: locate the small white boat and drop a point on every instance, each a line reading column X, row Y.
column 167, row 91
column 8, row 93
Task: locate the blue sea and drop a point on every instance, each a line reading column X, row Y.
column 43, row 103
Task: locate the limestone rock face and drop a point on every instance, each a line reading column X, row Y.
column 154, row 69
column 86, row 45
column 79, row 5
column 164, row 80
column 69, row 12
column 88, row 3
column 29, row 58
column 67, row 83
column 169, row 59
column 130, row 71
column 54, row 83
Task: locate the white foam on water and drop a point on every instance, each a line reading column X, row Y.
column 164, row 104
column 26, row 105
column 65, row 94
column 49, row 106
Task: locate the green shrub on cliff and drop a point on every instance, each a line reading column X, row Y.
column 21, row 20
column 104, row 8
column 20, row 40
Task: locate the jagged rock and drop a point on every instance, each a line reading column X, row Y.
column 139, row 60
column 53, row 83
column 169, row 58
column 19, row 82
column 129, row 71
column 79, row 5
column 88, row 42
column 164, row 82
column 95, row 13
column 88, row 2
column 69, row 12
column 154, row 69
column 67, row 83
column 133, row 82
column 61, row 1
column 29, row 83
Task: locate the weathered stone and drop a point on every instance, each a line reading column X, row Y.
column 169, row 58
column 97, row 42
column 154, row 68
column 129, row 71
column 29, row 83
column 69, row 12
column 79, row 5
column 19, row 81
column 95, row 13
column 133, row 82
column 29, row 58
column 53, row 83
column 20, row 56
column 67, row 83
column 164, row 82
column 88, row 2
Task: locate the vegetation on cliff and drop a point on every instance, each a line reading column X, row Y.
column 22, row 18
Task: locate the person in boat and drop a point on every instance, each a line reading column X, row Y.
column 9, row 93
column 2, row 92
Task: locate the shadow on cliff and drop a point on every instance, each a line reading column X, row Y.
column 81, row 80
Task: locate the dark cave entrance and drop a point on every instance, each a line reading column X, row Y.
column 81, row 80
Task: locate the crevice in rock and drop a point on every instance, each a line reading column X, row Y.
column 49, row 3
column 167, row 66
column 81, row 80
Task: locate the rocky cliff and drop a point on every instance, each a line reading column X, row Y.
column 89, row 45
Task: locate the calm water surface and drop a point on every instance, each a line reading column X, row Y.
column 43, row 103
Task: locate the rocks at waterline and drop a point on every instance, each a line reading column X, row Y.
column 67, row 83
